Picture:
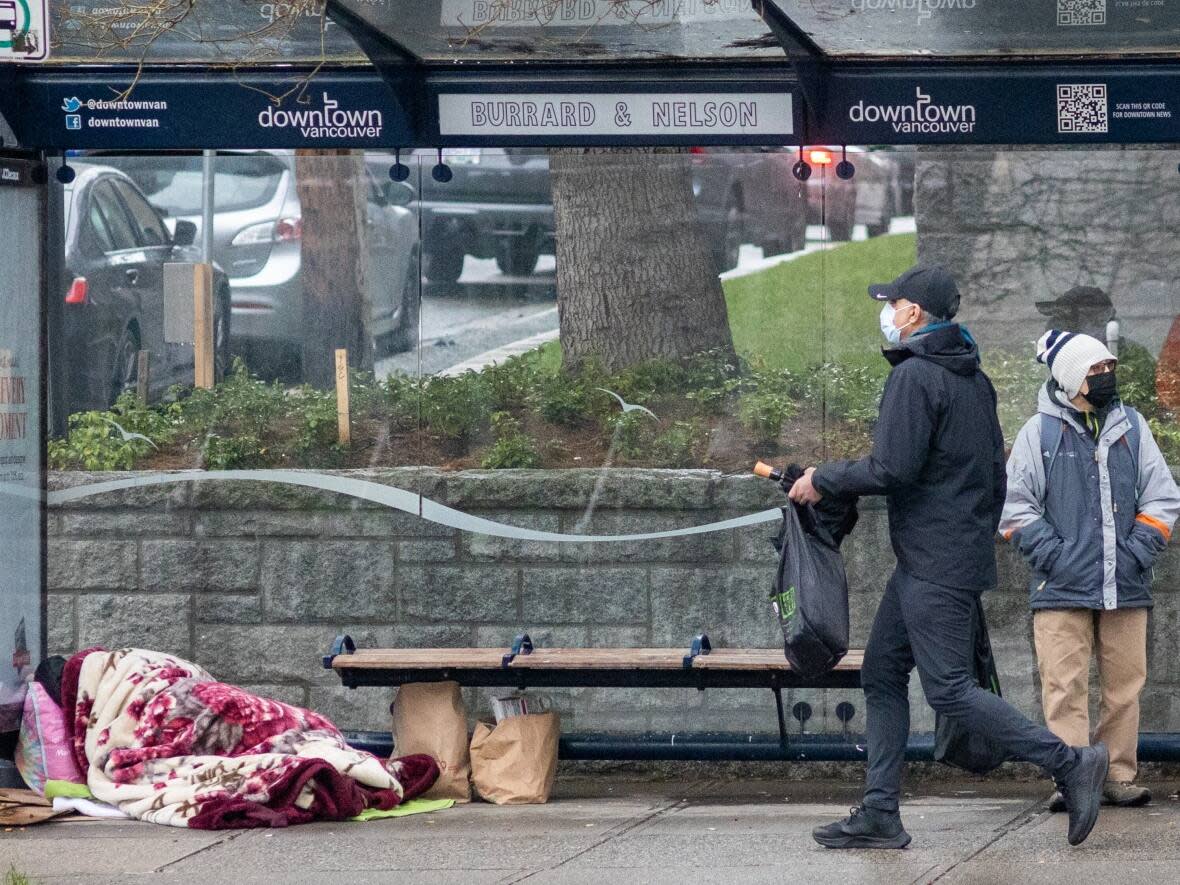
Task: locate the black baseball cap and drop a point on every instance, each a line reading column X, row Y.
column 931, row 286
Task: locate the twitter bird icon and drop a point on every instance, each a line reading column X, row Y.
column 71, row 105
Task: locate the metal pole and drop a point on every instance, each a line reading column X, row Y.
column 207, row 206
column 1112, row 337
column 1153, row 747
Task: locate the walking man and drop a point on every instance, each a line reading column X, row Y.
column 1091, row 504
column 938, row 458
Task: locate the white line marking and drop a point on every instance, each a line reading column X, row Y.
column 499, row 354
column 395, row 498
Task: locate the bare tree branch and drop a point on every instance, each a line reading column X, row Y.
column 641, row 13
column 138, row 27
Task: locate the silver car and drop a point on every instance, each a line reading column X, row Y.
column 257, row 238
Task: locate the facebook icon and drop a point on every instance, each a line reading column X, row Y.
column 73, row 121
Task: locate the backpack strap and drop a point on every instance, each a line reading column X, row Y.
column 1051, row 428
column 1131, row 439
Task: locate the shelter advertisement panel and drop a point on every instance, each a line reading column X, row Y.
column 20, row 440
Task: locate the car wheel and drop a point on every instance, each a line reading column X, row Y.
column 887, row 213
column 726, row 255
column 799, row 239
column 125, row 368
column 444, row 263
column 518, row 256
column 405, row 336
column 221, row 351
column 840, row 230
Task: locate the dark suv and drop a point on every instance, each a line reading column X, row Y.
column 499, row 204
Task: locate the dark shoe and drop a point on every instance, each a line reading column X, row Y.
column 1125, row 795
column 864, row 828
column 1082, row 789
column 1057, row 802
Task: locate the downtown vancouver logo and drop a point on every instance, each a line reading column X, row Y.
column 923, row 116
column 924, row 8
column 328, row 121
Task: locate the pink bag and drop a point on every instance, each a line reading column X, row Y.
column 43, row 751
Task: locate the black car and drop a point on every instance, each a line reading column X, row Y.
column 116, row 246
column 499, row 204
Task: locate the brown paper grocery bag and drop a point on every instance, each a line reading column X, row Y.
column 430, row 718
column 515, row 762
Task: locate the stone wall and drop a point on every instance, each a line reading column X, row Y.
column 1017, row 226
column 253, row 580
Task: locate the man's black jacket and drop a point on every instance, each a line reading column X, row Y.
column 938, row 457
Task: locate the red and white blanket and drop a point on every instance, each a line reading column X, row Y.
column 161, row 740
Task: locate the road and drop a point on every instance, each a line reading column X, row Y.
column 483, row 312
column 487, row 316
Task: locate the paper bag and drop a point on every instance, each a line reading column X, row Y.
column 430, row 718
column 515, row 762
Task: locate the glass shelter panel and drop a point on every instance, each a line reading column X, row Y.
column 238, row 33
column 576, row 30
column 884, row 28
column 21, row 628
column 604, row 30
column 562, row 366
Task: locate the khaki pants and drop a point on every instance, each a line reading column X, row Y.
column 1065, row 639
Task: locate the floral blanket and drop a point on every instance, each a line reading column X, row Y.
column 163, row 741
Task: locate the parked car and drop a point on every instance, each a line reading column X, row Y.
column 748, row 197
column 257, row 237
column 499, row 204
column 116, row 246
column 871, row 197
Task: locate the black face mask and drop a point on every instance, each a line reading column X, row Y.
column 1103, row 390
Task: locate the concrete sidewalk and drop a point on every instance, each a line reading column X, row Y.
column 617, row 829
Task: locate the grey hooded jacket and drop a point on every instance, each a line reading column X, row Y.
column 1092, row 532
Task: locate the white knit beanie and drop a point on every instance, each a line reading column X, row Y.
column 1070, row 356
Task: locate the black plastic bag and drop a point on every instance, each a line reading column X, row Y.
column 953, row 743
column 838, row 515
column 810, row 593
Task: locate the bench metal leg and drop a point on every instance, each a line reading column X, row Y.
column 782, row 719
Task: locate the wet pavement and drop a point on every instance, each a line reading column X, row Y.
column 617, row 829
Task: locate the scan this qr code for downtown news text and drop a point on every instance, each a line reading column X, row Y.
column 1081, row 107
column 1081, row 12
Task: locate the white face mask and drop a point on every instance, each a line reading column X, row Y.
column 892, row 332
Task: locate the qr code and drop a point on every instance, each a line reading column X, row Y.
column 1081, row 107
column 1081, row 12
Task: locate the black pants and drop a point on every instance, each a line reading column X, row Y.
column 927, row 625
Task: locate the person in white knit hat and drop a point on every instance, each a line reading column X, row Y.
column 1091, row 504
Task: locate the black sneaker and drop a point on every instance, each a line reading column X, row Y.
column 1082, row 789
column 864, row 828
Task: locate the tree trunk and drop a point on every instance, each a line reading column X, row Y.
column 635, row 275
column 336, row 310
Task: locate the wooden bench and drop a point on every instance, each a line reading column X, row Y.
column 524, row 666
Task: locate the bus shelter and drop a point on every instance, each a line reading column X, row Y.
column 509, row 283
